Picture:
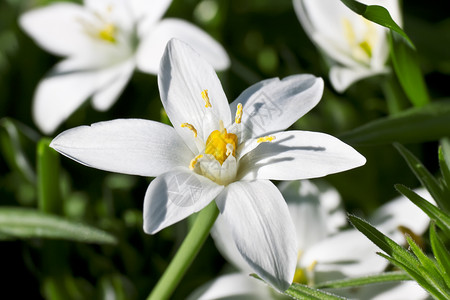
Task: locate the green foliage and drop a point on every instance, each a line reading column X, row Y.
column 26, row 223
column 406, row 66
column 416, row 264
column 413, row 125
column 369, row 279
column 425, row 177
column 301, row 291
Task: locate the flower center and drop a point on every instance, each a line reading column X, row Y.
column 100, row 26
column 216, row 159
column 361, row 45
column 108, row 33
column 304, row 275
column 221, row 144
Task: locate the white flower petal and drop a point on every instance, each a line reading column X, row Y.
column 56, row 28
column 298, row 155
column 274, row 105
column 315, row 209
column 262, row 229
column 341, row 77
column 324, row 17
column 347, row 254
column 68, row 85
column 148, row 13
column 235, row 286
column 152, row 46
column 182, row 78
column 129, row 146
column 108, row 94
column 58, row 95
column 401, row 212
column 175, row 195
column 223, row 238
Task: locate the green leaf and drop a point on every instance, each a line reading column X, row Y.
column 407, row 69
column 444, row 160
column 376, row 278
column 376, row 14
column 10, row 142
column 428, row 123
column 300, row 291
column 430, row 266
column 384, row 243
column 441, row 254
column 440, row 217
column 418, row 274
column 425, row 177
column 26, row 223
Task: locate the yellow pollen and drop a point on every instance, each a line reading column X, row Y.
column 312, row 266
column 238, row 117
column 221, row 144
column 361, row 47
column 108, row 33
column 190, row 127
column 300, row 276
column 264, row 139
column 194, row 161
column 206, row 98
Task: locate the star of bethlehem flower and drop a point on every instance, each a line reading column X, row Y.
column 325, row 251
column 103, row 42
column 355, row 47
column 221, row 151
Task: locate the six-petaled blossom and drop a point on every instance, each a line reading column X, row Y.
column 103, row 42
column 326, row 251
column 216, row 150
column 356, row 47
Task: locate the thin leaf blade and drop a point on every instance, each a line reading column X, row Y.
column 26, row 223
column 414, row 125
column 441, row 218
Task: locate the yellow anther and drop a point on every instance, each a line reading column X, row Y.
column 312, row 266
column 238, row 117
column 264, row 139
column 108, row 33
column 206, row 98
column 194, row 161
column 300, row 276
column 221, row 144
column 190, row 127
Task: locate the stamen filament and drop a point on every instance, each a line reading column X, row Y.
column 190, row 127
column 230, row 149
column 238, row 117
column 194, row 161
column 206, row 98
column 264, row 139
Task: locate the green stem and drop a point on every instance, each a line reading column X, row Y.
column 394, row 95
column 54, row 253
column 186, row 254
column 49, row 197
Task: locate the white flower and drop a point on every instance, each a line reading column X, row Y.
column 103, row 42
column 356, row 47
column 325, row 252
column 210, row 155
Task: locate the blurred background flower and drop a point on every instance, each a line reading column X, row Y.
column 104, row 41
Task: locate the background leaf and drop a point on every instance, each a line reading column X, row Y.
column 414, row 125
column 27, row 223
